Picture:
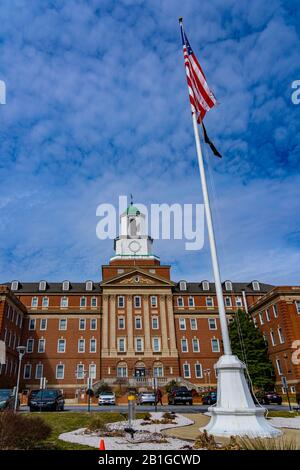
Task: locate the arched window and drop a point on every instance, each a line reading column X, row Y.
column 66, row 285
column 182, row 285
column 89, row 285
column 255, row 285
column 158, row 369
column 14, row 285
column 205, row 285
column 122, row 369
column 228, row 285
column 42, row 285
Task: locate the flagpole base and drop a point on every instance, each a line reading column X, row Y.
column 235, row 413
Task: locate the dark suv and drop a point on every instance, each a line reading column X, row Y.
column 46, row 400
column 268, row 397
column 180, row 395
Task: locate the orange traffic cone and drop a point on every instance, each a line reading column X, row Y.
column 102, row 445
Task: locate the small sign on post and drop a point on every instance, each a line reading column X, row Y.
column 43, row 383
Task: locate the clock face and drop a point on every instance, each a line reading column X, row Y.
column 134, row 246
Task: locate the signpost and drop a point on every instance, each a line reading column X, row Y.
column 89, row 392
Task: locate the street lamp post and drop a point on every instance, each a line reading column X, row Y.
column 21, row 350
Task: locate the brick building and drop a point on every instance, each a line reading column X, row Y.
column 134, row 324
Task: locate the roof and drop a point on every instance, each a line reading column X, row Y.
column 132, row 210
column 54, row 288
column 237, row 287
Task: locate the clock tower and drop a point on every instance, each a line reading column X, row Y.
column 133, row 241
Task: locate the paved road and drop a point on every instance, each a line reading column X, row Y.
column 178, row 408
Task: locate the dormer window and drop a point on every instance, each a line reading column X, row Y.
column 89, row 285
column 205, row 285
column 255, row 285
column 42, row 285
column 15, row 285
column 228, row 285
column 66, row 285
column 182, row 285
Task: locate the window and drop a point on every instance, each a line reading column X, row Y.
column 15, row 286
column 121, row 323
column 30, row 345
column 278, row 365
column 80, row 371
column 156, row 344
column 66, row 285
column 93, row 345
column 81, row 345
column 212, row 324
column 228, row 285
column 196, row 345
column 137, row 301
column 41, row 345
column 64, row 302
column 60, row 371
column 191, row 302
column 238, row 301
column 215, row 346
column 93, row 324
column 89, row 285
column 153, row 300
column 138, row 323
column 261, row 318
column 298, row 306
column 39, row 371
column 137, row 279
column 275, row 311
column 121, row 345
column 45, row 302
column 193, row 324
column 139, row 347
column 34, row 302
column 272, row 337
column 209, row 302
column 180, row 302
column 182, row 325
column 198, row 371
column 82, row 323
column 42, row 285
column 205, row 285
column 267, row 314
column 152, row 271
column 92, row 371
column 121, row 301
column 122, row 371
column 120, row 271
column 255, row 285
column 62, row 324
column 186, row 371
column 228, row 302
column 182, row 285
column 27, row 371
column 280, row 335
column 154, row 321
column 43, row 324
column 94, row 302
column 293, row 389
column 83, row 302
column 158, row 371
column 184, row 345
column 61, row 345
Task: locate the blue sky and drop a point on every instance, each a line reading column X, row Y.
column 97, row 106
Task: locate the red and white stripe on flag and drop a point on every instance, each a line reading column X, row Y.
column 202, row 98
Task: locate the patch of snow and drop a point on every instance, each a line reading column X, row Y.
column 291, row 423
column 144, row 433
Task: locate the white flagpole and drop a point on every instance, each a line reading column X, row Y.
column 212, row 243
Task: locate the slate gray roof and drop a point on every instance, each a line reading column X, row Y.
column 237, row 287
column 54, row 288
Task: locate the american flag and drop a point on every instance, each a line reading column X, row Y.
column 202, row 98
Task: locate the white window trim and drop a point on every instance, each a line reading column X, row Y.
column 180, row 300
column 83, row 302
column 182, row 322
column 158, row 342
column 64, row 298
column 59, row 324
column 47, row 302
column 212, row 302
column 189, row 369
column 30, row 341
column 153, row 304
column 36, row 370
column 96, row 324
column 40, row 341
column 198, row 343
column 46, row 324
column 157, row 320
column 201, row 371
column 193, row 320
column 79, row 322
column 218, row 343
column 272, row 336
column 34, row 300
column 135, row 320
column 215, row 324
column 95, row 342
column 96, row 302
column 182, row 285
column 63, row 371
column 142, row 344
column 121, row 317
column 89, row 286
column 34, row 324
column 66, row 285
column 30, row 370
column 81, row 341
column 187, row 345
column 140, row 301
column 64, row 343
column 123, row 301
column 123, row 339
column 191, row 304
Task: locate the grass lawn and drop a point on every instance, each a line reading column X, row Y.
column 283, row 414
column 68, row 421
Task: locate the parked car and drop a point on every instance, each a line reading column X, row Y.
column 7, row 399
column 107, row 398
column 268, row 397
column 209, row 398
column 31, row 395
column 180, row 396
column 46, row 400
column 146, row 398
